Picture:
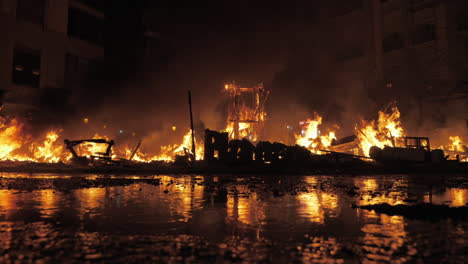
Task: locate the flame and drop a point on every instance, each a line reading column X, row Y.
column 386, row 131
column 89, row 149
column 246, row 115
column 456, row 144
column 169, row 152
column 311, row 138
column 11, row 140
column 50, row 151
column 17, row 145
column 14, row 144
column 246, row 130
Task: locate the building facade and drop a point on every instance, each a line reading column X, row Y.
column 46, row 45
column 411, row 51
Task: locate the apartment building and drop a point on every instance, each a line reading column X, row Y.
column 46, row 47
column 412, row 51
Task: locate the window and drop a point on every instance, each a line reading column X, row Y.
column 31, row 11
column 424, row 33
column 393, row 41
column 26, row 67
column 76, row 70
column 84, row 26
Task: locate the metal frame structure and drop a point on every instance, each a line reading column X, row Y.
column 418, row 143
column 246, row 106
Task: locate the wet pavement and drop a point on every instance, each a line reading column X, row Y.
column 227, row 219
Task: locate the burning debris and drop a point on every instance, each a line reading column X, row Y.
column 96, row 151
column 17, row 145
column 416, row 149
column 247, row 115
column 382, row 140
column 386, row 131
column 311, row 137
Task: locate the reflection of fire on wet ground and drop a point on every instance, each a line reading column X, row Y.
column 208, row 218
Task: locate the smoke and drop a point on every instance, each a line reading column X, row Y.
column 140, row 90
column 147, row 95
column 312, row 81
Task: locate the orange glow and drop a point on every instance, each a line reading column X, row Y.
column 311, row 207
column 246, row 112
column 50, row 150
column 329, row 201
column 456, row 144
column 6, row 201
column 48, row 199
column 245, row 131
column 370, row 194
column 170, row 151
column 11, row 140
column 386, row 131
column 370, row 184
column 248, row 210
column 91, row 198
column 456, row 148
column 389, row 234
column 184, row 196
column 90, row 148
column 312, row 138
column 458, row 197
column 17, row 145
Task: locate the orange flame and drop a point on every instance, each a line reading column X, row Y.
column 17, row 145
column 456, row 144
column 386, row 131
column 311, row 138
column 11, row 140
column 14, row 144
column 50, row 151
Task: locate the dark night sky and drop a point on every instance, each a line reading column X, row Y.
column 201, row 45
column 204, row 44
